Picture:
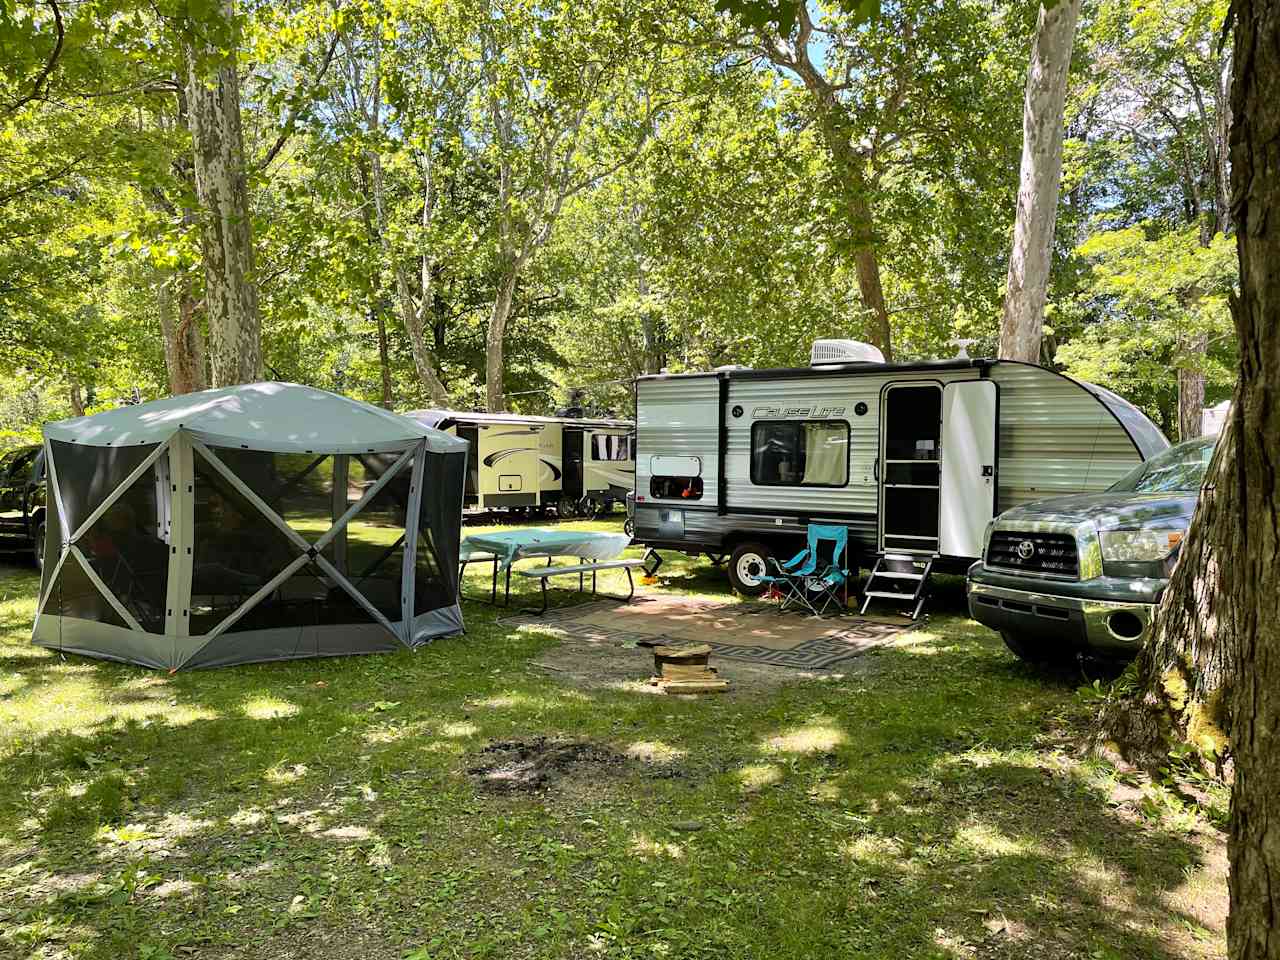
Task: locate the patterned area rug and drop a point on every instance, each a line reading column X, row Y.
column 755, row 632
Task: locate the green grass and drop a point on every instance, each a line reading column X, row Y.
column 929, row 802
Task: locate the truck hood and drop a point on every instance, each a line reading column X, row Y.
column 1110, row 511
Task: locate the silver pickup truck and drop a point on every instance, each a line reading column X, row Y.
column 1083, row 574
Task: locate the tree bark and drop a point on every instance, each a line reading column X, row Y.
column 384, row 359
column 184, row 358
column 1031, row 256
column 226, row 228
column 1184, row 669
column 1191, row 390
column 494, row 360
column 1251, row 561
column 77, row 400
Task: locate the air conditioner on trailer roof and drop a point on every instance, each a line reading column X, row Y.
column 843, row 351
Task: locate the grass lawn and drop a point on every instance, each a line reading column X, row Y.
column 929, row 801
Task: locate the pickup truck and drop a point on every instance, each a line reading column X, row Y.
column 22, row 501
column 1083, row 574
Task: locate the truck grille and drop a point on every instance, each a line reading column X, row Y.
column 1053, row 553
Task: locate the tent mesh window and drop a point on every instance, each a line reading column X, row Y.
column 238, row 552
column 440, row 524
column 297, row 486
column 88, row 475
column 73, row 594
column 126, row 548
column 375, row 537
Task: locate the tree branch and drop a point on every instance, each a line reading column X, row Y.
column 48, row 67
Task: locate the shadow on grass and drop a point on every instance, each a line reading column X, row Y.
column 932, row 807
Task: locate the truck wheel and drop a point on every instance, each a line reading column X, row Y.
column 747, row 565
column 1027, row 649
column 38, row 546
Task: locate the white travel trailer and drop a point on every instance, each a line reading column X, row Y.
column 913, row 458
column 572, row 464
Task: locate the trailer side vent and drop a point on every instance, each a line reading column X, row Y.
column 843, row 351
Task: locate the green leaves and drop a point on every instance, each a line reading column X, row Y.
column 783, row 14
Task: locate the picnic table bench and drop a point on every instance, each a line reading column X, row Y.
column 581, row 569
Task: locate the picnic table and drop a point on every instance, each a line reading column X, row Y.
column 593, row 551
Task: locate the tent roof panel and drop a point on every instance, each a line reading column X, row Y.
column 276, row 417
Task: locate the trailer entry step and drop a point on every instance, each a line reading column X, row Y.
column 899, row 578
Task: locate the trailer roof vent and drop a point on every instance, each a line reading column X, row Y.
column 843, row 351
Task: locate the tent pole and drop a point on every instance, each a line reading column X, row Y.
column 412, row 523
column 181, row 544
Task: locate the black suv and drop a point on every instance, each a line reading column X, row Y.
column 22, row 501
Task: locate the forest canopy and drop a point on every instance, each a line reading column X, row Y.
column 490, row 201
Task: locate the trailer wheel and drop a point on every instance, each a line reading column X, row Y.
column 748, row 564
column 567, row 508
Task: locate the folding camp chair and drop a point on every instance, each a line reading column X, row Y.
column 816, row 577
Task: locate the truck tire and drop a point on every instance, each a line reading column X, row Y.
column 37, row 548
column 1028, row 650
column 747, row 564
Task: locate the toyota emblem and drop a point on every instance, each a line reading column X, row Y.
column 1026, row 550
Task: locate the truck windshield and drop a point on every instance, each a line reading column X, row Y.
column 1179, row 469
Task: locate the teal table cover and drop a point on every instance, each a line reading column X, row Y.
column 513, row 545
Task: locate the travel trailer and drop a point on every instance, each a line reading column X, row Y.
column 914, row 458
column 573, row 465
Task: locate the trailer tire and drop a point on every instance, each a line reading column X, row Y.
column 747, row 564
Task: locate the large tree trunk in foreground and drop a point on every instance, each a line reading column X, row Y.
column 1251, row 566
column 226, row 229
column 1184, row 669
column 1042, row 129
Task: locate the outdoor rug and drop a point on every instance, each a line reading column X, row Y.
column 755, row 632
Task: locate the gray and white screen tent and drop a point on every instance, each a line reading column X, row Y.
column 266, row 521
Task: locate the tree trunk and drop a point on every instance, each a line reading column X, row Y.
column 1041, row 174
column 872, row 295
column 1251, row 560
column 410, row 315
column 384, row 361
column 1191, row 390
column 226, row 228
column 1184, row 669
column 494, row 360
column 183, row 345
column 77, row 400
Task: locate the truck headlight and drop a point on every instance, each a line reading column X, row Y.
column 1140, row 546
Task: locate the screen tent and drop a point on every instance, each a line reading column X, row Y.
column 264, row 521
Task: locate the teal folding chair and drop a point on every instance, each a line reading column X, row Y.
column 818, row 575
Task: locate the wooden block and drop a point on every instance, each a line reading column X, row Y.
column 695, row 686
column 687, row 671
column 699, row 651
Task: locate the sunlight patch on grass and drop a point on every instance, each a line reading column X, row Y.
column 172, row 888
column 281, row 774
column 984, row 841
column 269, row 708
column 655, row 751
column 808, row 739
column 647, row 848
column 394, row 732
column 351, row 832
column 459, row 730
column 757, row 776
column 875, row 850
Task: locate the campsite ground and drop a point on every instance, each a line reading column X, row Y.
column 931, row 800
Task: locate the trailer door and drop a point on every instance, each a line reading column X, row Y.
column 970, row 411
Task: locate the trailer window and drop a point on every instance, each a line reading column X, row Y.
column 675, row 488
column 605, row 446
column 800, row 453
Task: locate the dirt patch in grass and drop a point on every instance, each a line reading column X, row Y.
column 525, row 766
